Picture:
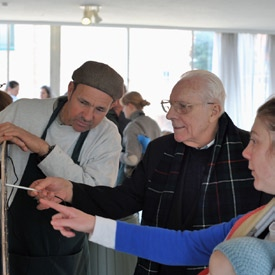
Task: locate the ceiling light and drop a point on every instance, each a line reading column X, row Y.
column 90, row 14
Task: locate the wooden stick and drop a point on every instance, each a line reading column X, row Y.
column 4, row 205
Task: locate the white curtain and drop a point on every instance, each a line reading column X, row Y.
column 271, row 50
column 245, row 63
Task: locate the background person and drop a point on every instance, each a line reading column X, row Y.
column 12, row 89
column 188, row 180
column 68, row 137
column 45, row 92
column 140, row 124
column 117, row 116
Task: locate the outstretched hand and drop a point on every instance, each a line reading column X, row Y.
column 52, row 189
column 69, row 219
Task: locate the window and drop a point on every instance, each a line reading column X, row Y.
column 80, row 44
column 157, row 59
column 202, row 50
column 28, row 60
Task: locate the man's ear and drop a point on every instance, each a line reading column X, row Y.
column 113, row 104
column 70, row 89
column 215, row 112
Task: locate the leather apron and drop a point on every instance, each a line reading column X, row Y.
column 35, row 248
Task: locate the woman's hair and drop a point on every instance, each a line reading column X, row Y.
column 266, row 113
column 48, row 90
column 134, row 98
column 5, row 100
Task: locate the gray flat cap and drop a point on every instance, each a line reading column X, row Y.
column 101, row 77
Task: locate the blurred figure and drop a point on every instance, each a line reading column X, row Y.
column 12, row 89
column 5, row 100
column 141, row 128
column 117, row 116
column 45, row 92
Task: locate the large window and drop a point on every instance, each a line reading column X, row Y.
column 202, row 50
column 157, row 59
column 151, row 61
column 80, row 44
column 27, row 58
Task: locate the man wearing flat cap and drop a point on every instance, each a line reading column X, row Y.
column 66, row 137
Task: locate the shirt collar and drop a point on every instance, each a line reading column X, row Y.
column 207, row 145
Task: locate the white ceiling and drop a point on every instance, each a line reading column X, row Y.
column 230, row 15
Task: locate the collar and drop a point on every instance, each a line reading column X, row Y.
column 207, row 145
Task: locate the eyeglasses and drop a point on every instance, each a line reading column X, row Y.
column 180, row 107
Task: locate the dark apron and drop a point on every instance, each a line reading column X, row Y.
column 35, row 248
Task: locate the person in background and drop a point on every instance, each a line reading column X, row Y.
column 68, row 137
column 116, row 115
column 5, row 100
column 45, row 92
column 248, row 255
column 139, row 128
column 191, row 179
column 12, row 89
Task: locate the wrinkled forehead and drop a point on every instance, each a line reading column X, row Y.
column 188, row 88
column 92, row 95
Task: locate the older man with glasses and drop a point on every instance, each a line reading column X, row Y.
column 191, row 179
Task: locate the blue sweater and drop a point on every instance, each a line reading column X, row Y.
column 161, row 245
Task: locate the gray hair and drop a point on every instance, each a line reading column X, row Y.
column 213, row 89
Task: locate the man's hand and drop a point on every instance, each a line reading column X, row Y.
column 69, row 219
column 23, row 139
column 52, row 189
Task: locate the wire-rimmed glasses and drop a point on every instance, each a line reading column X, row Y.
column 179, row 106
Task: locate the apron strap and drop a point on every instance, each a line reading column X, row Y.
column 78, row 146
column 61, row 102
